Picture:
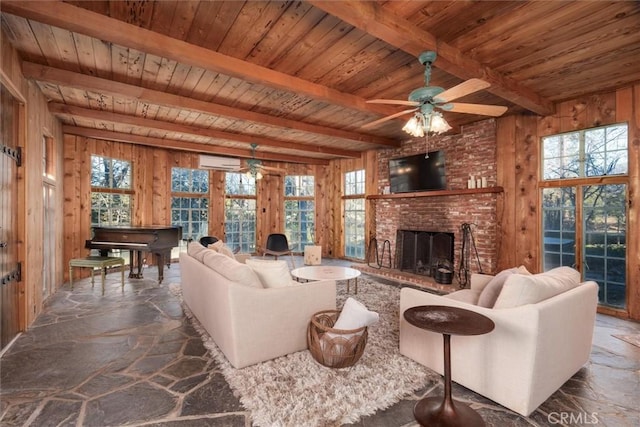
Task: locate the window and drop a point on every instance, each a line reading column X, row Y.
column 354, row 214
column 111, row 195
column 299, row 210
column 110, row 192
column 48, row 167
column 584, row 224
column 594, row 152
column 190, row 203
column 240, row 212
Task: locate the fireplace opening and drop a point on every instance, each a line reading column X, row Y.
column 422, row 252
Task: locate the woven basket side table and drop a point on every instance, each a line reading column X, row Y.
column 334, row 348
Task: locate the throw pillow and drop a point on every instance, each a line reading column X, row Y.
column 232, row 269
column 520, row 289
column 490, row 292
column 272, row 273
column 222, row 248
column 355, row 315
column 196, row 250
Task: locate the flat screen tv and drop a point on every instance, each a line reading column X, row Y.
column 417, row 173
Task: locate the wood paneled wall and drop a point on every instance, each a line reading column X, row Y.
column 518, row 155
column 152, row 169
column 36, row 123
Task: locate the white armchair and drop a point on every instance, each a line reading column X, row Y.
column 533, row 350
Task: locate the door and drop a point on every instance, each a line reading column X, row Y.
column 10, row 156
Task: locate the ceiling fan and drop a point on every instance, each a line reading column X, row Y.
column 425, row 100
column 256, row 169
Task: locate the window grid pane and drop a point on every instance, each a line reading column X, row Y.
column 558, row 227
column 354, row 220
column 110, row 209
column 299, row 210
column 110, row 173
column 594, row 152
column 354, row 182
column 605, row 232
column 190, row 212
column 240, row 224
column 238, row 184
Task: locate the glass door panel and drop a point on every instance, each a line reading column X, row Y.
column 605, row 227
column 559, row 227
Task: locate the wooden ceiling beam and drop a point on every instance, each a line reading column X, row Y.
column 172, row 144
column 83, row 21
column 381, row 23
column 68, row 110
column 95, row 84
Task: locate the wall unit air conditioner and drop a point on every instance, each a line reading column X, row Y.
column 220, row 163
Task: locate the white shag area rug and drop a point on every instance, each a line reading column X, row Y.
column 295, row 390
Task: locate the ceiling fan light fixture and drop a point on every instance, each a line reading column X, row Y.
column 415, row 126
column 422, row 124
column 438, row 124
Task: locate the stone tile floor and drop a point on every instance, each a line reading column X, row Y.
column 132, row 358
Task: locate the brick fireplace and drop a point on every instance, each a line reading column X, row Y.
column 472, row 152
column 420, row 252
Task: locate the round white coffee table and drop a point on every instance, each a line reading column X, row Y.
column 327, row 272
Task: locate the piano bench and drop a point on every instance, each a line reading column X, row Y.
column 101, row 262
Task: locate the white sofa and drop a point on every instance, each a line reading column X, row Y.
column 533, row 350
column 250, row 323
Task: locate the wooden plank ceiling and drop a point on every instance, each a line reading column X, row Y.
column 293, row 77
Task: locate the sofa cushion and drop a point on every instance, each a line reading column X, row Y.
column 231, row 269
column 272, row 273
column 220, row 247
column 196, row 250
column 520, row 289
column 490, row 292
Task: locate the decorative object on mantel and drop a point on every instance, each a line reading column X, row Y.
column 295, row 390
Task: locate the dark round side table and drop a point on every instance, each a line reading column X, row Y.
column 444, row 411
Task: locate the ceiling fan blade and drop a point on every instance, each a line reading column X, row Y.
column 485, row 110
column 272, row 169
column 393, row 102
column 384, row 119
column 464, row 88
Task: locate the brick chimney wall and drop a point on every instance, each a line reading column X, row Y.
column 472, row 152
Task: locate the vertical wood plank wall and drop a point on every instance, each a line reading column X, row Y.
column 35, row 124
column 518, row 159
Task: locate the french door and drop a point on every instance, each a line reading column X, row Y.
column 585, row 226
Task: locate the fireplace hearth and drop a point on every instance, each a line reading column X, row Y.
column 423, row 252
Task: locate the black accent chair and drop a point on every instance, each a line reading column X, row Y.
column 277, row 245
column 208, row 240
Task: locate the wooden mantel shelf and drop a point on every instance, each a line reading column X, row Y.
column 437, row 193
